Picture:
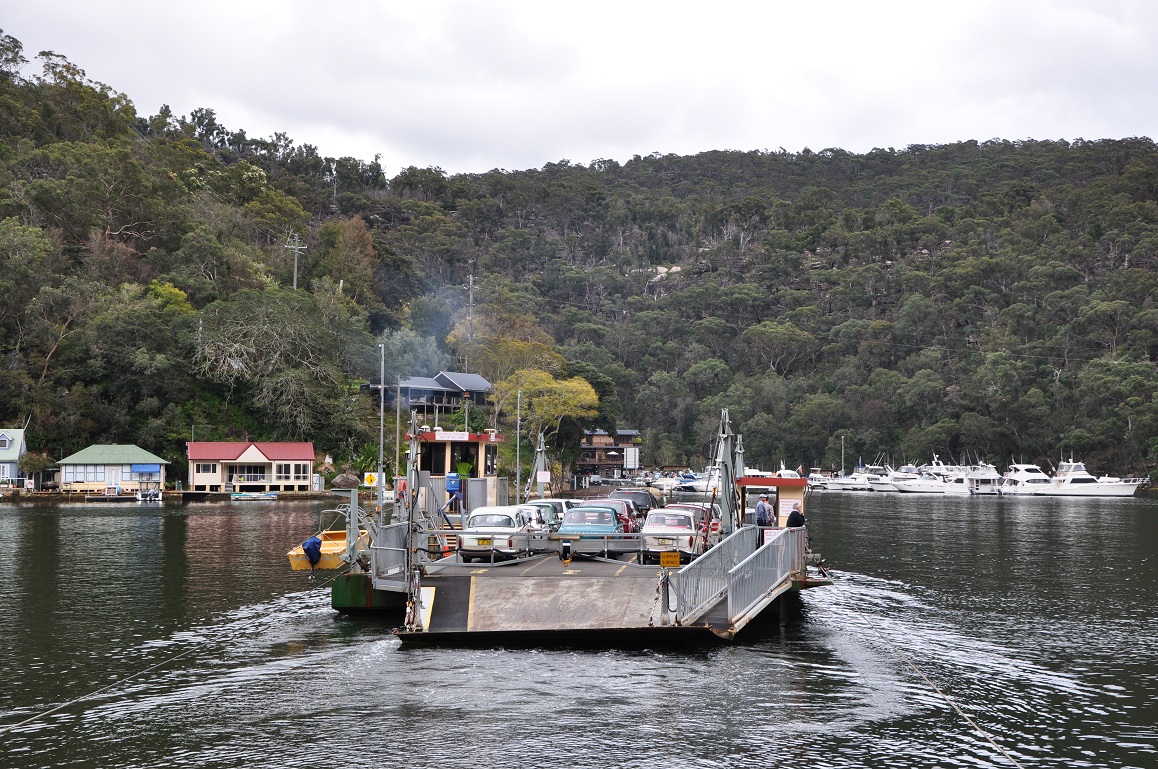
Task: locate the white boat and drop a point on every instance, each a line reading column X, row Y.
column 925, row 483
column 817, row 478
column 983, row 479
column 701, row 483
column 1073, row 480
column 859, row 480
column 886, row 481
column 1022, row 478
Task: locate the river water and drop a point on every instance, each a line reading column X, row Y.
column 963, row 632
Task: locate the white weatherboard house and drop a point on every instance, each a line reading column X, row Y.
column 250, row 466
column 115, row 468
column 11, row 449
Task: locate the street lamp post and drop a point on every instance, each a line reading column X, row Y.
column 381, row 423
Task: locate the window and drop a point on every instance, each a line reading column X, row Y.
column 205, row 467
column 248, row 473
column 301, row 471
column 281, row 472
column 3, row 471
column 4, row 442
column 433, row 458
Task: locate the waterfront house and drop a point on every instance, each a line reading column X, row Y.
column 608, row 456
column 440, row 394
column 112, row 469
column 250, row 466
column 12, row 448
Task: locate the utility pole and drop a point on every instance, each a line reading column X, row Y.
column 469, row 321
column 297, row 247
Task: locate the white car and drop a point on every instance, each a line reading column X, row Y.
column 555, row 507
column 668, row 529
column 492, row 533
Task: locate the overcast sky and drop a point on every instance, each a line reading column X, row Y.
column 471, row 86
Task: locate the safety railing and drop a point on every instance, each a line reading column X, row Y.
column 753, row 580
column 388, row 556
column 701, row 583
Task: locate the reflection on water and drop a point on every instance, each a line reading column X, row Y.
column 1032, row 615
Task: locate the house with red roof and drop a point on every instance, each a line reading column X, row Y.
column 242, row 466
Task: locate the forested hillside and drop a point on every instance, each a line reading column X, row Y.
column 994, row 298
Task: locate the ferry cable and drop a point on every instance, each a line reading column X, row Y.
column 948, row 700
column 113, row 685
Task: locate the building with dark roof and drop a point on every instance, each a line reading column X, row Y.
column 440, row 394
column 607, row 455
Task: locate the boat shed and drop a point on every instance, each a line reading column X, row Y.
column 112, row 470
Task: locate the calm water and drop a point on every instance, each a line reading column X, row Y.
column 1033, row 616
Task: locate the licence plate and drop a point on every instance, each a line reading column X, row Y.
column 667, row 541
column 486, row 542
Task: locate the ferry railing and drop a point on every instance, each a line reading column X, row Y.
column 753, row 579
column 701, row 583
column 388, row 556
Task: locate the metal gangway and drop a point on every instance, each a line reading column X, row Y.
column 739, row 578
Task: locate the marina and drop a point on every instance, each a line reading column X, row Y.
column 194, row 659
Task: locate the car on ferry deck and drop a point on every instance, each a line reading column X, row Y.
column 708, row 515
column 591, row 521
column 667, row 529
column 641, row 498
column 557, row 507
column 624, row 507
column 491, row 532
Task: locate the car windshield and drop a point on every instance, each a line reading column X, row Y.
column 491, row 520
column 670, row 520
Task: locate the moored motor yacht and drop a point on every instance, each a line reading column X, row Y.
column 925, row 483
column 1073, row 480
column 818, row 478
column 858, row 480
column 1023, row 478
column 885, row 482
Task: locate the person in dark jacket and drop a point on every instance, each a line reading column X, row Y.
column 795, row 518
column 763, row 511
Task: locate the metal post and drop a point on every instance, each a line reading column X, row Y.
column 397, row 430
column 381, row 424
column 518, row 445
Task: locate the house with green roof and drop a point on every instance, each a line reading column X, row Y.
column 11, row 449
column 112, row 469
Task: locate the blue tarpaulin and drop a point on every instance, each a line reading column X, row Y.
column 146, row 468
column 312, row 547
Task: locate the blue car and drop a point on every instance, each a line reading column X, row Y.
column 590, row 522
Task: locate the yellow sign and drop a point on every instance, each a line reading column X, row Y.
column 669, row 559
column 371, row 479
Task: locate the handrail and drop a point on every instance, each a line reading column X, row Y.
column 701, row 583
column 753, row 579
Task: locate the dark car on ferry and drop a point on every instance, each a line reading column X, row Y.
column 641, row 498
